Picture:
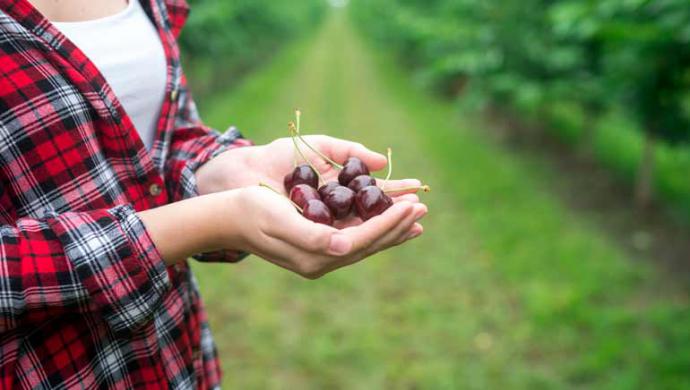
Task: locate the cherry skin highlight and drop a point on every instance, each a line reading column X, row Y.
column 360, row 182
column 327, row 188
column 352, row 168
column 302, row 193
column 340, row 201
column 371, row 201
column 302, row 174
column 317, row 211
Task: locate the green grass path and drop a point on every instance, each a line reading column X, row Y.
column 507, row 288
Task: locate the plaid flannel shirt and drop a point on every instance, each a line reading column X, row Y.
column 85, row 298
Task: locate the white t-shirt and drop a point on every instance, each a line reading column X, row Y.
column 127, row 50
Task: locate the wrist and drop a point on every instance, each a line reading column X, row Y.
column 223, row 220
column 206, row 181
column 182, row 229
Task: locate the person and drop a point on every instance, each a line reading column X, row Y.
column 109, row 182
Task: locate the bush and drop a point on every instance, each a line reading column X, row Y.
column 223, row 39
column 603, row 56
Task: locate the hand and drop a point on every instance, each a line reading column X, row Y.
column 245, row 219
column 249, row 166
column 307, row 248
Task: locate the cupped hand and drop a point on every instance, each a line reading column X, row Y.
column 249, row 166
column 274, row 230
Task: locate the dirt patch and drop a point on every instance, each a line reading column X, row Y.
column 590, row 189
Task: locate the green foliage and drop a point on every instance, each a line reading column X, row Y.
column 239, row 34
column 242, row 28
column 626, row 53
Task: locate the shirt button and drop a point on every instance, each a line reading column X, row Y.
column 196, row 353
column 173, row 94
column 155, row 190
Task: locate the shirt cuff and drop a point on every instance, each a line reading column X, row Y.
column 117, row 262
column 225, row 256
column 230, row 139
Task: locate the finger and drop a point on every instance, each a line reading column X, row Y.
column 277, row 252
column 354, row 220
column 415, row 231
column 340, row 150
column 289, row 225
column 363, row 236
column 412, row 198
column 350, row 221
column 302, row 233
column 295, row 259
column 400, row 232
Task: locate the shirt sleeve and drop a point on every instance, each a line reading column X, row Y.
column 98, row 261
column 192, row 145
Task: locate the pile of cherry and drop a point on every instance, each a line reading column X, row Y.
column 355, row 192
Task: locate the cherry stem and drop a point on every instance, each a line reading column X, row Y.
column 293, row 132
column 390, row 169
column 423, row 187
column 281, row 194
column 292, row 137
column 298, row 114
column 323, row 156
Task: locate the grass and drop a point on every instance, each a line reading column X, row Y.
column 507, row 288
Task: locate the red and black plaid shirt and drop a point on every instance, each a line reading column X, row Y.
column 85, row 299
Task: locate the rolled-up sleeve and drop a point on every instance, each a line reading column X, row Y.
column 97, row 261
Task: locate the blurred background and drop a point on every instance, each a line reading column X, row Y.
column 556, row 138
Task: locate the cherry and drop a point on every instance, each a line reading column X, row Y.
column 328, row 187
column 340, row 200
column 352, row 168
column 371, row 201
column 302, row 193
column 302, row 174
column 360, row 182
column 317, row 211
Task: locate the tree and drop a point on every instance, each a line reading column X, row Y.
column 649, row 45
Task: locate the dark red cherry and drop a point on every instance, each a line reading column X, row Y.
column 326, row 188
column 360, row 182
column 302, row 193
column 352, row 168
column 302, row 174
column 371, row 201
column 317, row 211
column 340, row 201
column 288, row 182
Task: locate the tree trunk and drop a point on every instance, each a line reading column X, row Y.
column 589, row 132
column 645, row 173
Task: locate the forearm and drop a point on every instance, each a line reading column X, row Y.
column 182, row 229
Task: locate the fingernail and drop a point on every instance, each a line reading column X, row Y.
column 340, row 245
column 414, row 235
